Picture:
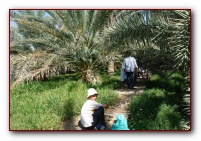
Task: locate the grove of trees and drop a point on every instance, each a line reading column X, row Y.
column 52, row 42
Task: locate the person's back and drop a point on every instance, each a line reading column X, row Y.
column 92, row 113
column 130, row 65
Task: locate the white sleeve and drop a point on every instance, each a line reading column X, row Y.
column 96, row 105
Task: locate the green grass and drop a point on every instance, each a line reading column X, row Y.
column 45, row 105
column 160, row 106
column 152, row 111
column 174, row 83
column 110, row 81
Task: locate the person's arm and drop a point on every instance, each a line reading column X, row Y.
column 135, row 66
column 97, row 105
column 105, row 106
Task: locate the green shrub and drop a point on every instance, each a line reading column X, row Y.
column 177, row 83
column 144, row 108
column 168, row 118
column 154, row 110
column 173, row 83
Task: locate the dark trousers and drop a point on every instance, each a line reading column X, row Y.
column 130, row 79
column 98, row 120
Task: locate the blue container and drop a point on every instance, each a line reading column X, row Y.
column 121, row 123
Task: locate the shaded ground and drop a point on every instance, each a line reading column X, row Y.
column 111, row 113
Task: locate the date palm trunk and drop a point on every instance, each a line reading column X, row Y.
column 110, row 67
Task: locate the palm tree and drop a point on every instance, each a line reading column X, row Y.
column 73, row 36
column 162, row 32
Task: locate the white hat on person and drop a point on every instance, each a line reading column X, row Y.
column 91, row 91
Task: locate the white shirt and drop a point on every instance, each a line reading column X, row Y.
column 87, row 111
column 129, row 64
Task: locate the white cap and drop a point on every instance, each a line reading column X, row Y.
column 91, row 91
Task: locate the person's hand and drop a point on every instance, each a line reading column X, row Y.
column 105, row 105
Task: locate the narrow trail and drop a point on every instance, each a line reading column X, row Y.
column 125, row 96
column 111, row 112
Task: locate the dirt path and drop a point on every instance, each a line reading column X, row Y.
column 111, row 113
column 123, row 101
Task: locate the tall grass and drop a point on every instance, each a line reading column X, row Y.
column 159, row 107
column 45, row 105
column 152, row 111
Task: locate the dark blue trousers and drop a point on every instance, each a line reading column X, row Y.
column 130, row 79
column 98, row 120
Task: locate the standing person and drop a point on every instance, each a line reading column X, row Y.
column 130, row 67
column 92, row 113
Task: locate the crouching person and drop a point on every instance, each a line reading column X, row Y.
column 92, row 113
